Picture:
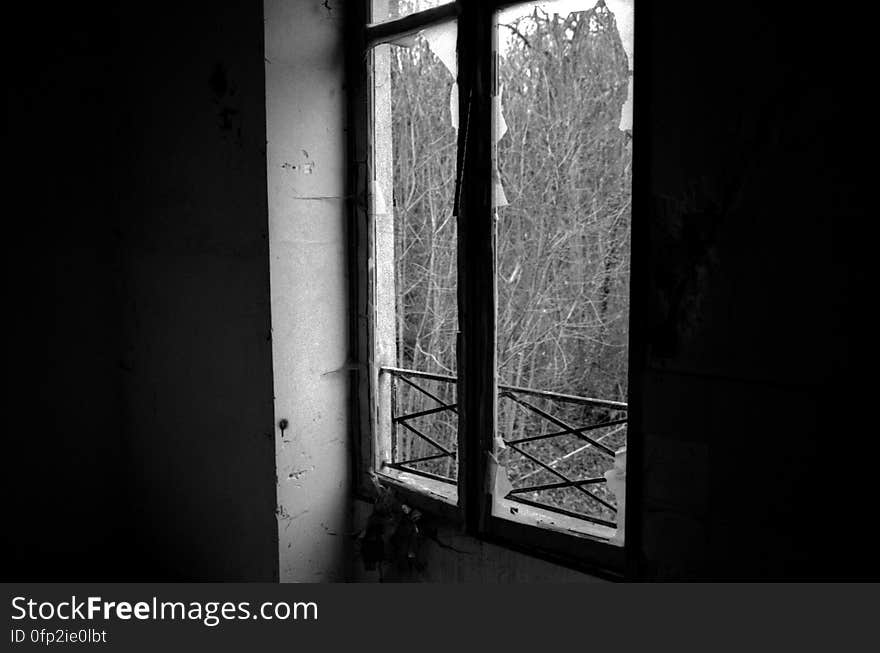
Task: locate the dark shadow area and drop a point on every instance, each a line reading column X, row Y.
column 139, row 357
column 140, row 424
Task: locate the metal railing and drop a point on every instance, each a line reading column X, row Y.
column 525, row 399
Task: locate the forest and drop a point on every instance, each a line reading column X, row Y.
column 563, row 191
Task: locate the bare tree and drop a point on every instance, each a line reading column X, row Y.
column 562, row 240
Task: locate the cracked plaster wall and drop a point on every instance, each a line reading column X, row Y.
column 306, row 175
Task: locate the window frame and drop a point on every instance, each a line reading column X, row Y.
column 476, row 347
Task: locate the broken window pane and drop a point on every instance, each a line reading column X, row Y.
column 385, row 10
column 563, row 253
column 413, row 168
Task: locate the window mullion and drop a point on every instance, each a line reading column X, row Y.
column 476, row 263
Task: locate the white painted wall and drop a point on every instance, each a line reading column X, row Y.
column 306, row 177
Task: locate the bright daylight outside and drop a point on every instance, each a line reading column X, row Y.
column 562, row 196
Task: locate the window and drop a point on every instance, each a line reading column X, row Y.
column 492, row 194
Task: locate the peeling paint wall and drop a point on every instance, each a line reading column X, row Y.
column 306, row 187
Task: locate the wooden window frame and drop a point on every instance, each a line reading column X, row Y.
column 476, row 349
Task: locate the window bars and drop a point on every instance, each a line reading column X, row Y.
column 596, row 505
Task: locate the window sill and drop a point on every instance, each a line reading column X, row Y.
column 531, row 516
column 431, row 497
column 564, row 541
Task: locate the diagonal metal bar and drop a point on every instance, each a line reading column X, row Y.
column 403, row 373
column 558, row 423
column 419, row 472
column 510, row 393
column 423, row 391
column 563, row 511
column 571, row 453
column 426, row 438
column 572, row 399
column 559, row 474
column 553, row 486
column 426, row 458
column 580, row 429
column 423, row 413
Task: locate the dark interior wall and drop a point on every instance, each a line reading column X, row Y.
column 140, row 348
column 138, row 354
column 63, row 269
column 196, row 304
column 756, row 462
